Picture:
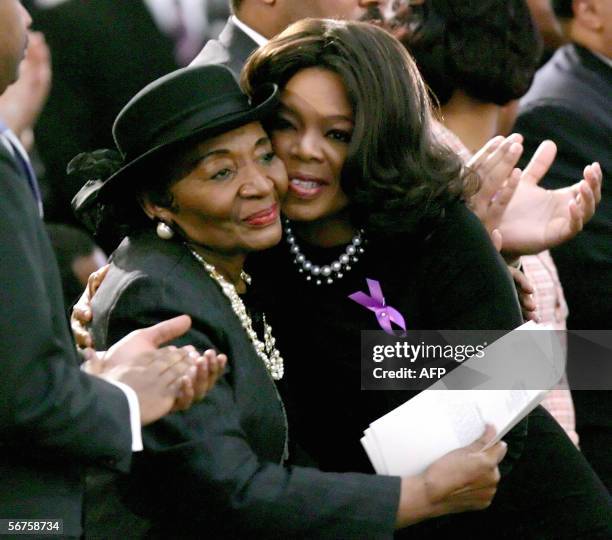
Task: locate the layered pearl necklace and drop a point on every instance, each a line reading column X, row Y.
column 329, row 272
column 267, row 350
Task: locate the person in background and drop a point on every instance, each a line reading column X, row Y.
column 253, row 22
column 569, row 103
column 103, row 52
column 548, row 24
column 472, row 88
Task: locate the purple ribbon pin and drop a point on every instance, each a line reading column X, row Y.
column 385, row 315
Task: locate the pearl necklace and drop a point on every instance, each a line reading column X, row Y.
column 266, row 351
column 329, row 272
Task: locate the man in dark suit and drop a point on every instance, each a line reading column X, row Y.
column 569, row 103
column 254, row 22
column 53, row 417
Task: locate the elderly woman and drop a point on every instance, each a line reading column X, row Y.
column 198, row 188
column 373, row 195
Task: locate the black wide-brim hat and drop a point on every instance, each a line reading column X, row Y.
column 189, row 103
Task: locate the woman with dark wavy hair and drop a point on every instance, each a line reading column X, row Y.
column 372, row 195
column 394, row 172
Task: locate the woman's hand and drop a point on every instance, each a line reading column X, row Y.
column 81, row 312
column 209, row 367
column 193, row 387
column 525, row 291
column 462, row 480
column 538, row 219
column 495, row 164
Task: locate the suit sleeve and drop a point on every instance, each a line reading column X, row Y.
column 47, row 405
column 201, row 459
column 568, row 129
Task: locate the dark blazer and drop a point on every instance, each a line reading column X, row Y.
column 53, row 417
column 569, row 103
column 231, row 49
column 103, row 52
column 217, row 469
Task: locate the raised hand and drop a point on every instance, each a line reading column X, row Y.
column 193, row 386
column 22, row 102
column 495, row 164
column 536, row 218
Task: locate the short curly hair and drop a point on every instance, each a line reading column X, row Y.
column 490, row 49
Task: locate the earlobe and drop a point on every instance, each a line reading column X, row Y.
column 160, row 215
column 153, row 211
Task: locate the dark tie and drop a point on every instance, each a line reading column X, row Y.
column 23, row 161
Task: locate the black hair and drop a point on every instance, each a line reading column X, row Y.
column 396, row 175
column 563, row 8
column 120, row 213
column 490, row 49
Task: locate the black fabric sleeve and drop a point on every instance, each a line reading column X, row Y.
column 471, row 289
column 566, row 127
column 467, row 281
column 47, row 404
column 199, row 468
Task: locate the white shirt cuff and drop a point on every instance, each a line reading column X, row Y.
column 134, row 414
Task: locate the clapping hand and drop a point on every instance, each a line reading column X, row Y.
column 195, row 375
column 495, row 164
column 538, row 219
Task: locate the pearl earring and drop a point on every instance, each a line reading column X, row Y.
column 164, row 231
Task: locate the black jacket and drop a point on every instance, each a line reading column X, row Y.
column 569, row 103
column 53, row 417
column 217, row 469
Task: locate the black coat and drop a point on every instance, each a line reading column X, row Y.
column 569, row 103
column 231, row 49
column 217, row 469
column 53, row 417
column 103, row 52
